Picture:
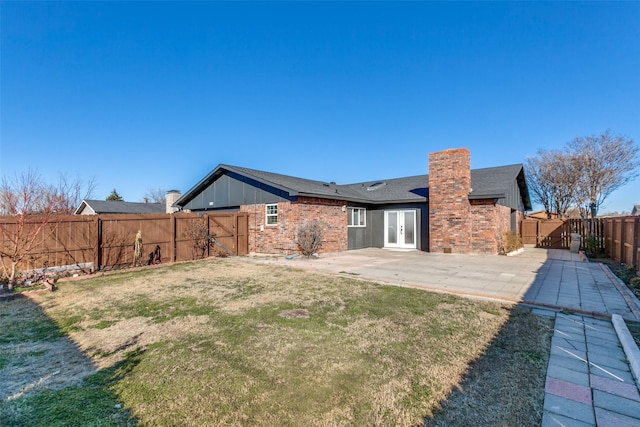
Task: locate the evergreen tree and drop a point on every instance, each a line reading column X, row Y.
column 114, row 197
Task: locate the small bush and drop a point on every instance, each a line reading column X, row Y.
column 511, row 242
column 201, row 238
column 634, row 283
column 310, row 237
column 591, row 245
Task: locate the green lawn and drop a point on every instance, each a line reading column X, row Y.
column 230, row 342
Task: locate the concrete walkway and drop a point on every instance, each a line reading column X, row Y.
column 589, row 379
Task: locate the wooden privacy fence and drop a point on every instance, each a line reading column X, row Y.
column 618, row 237
column 556, row 233
column 621, row 237
column 98, row 242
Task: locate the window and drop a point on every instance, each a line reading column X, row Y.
column 357, row 217
column 272, row 214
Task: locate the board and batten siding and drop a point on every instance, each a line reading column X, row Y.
column 231, row 190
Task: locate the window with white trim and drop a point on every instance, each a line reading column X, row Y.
column 357, row 217
column 272, row 214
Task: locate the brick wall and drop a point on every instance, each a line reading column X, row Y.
column 281, row 238
column 488, row 223
column 449, row 207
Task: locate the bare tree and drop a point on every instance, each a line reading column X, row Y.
column 154, row 195
column 539, row 183
column 551, row 177
column 73, row 191
column 584, row 174
column 33, row 206
column 36, row 208
column 606, row 162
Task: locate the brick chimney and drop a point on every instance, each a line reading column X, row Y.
column 171, row 197
column 449, row 208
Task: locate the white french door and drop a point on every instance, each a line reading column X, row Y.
column 400, row 229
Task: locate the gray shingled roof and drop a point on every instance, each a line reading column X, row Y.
column 493, row 181
column 113, row 207
column 292, row 185
column 486, row 183
column 396, row 190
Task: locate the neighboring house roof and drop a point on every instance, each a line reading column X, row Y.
column 635, row 210
column 92, row 207
column 542, row 215
column 486, row 183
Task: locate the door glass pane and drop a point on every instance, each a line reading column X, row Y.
column 392, row 226
column 408, row 228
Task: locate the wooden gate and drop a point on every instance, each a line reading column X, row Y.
column 556, row 233
column 549, row 233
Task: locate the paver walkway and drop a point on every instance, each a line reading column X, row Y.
column 589, row 380
column 570, row 283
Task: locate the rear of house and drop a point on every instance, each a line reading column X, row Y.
column 452, row 209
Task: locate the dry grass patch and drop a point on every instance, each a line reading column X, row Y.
column 232, row 342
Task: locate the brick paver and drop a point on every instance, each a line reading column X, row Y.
column 588, row 378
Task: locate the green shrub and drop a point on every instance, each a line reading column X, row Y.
column 591, row 245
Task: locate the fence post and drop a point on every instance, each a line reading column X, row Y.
column 634, row 247
column 209, row 233
column 172, row 240
column 236, row 237
column 601, row 235
column 623, row 239
column 612, row 239
column 97, row 259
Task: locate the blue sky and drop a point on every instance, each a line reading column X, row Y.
column 142, row 95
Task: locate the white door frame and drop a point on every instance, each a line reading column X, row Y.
column 397, row 231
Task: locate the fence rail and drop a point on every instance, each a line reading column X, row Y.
column 106, row 241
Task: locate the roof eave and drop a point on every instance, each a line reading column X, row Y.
column 487, row 196
column 363, row 200
column 332, row 197
column 398, row 201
